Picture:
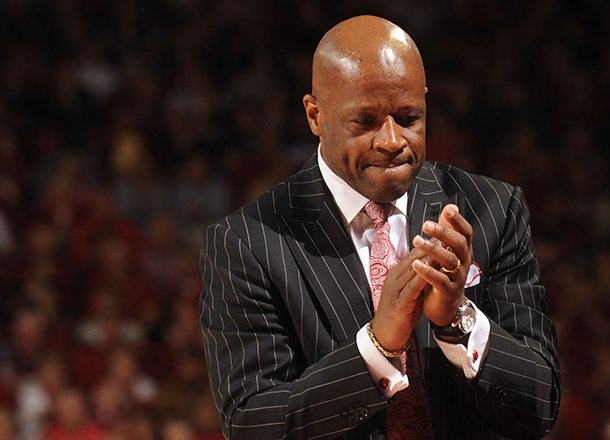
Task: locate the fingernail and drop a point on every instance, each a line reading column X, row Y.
column 418, row 264
column 418, row 240
column 428, row 226
column 451, row 211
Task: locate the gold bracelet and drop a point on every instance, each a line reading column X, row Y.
column 386, row 353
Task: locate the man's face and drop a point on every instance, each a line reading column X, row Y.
column 372, row 126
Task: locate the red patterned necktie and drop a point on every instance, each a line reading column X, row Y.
column 408, row 416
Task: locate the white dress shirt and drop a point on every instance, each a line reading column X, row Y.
column 360, row 228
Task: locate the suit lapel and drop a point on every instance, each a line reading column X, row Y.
column 326, row 254
column 427, row 196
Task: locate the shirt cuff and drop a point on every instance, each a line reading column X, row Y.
column 388, row 378
column 470, row 358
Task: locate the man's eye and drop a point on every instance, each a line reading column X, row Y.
column 406, row 121
column 364, row 121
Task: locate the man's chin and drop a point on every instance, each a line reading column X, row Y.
column 388, row 187
column 385, row 192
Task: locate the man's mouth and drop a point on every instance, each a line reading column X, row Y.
column 396, row 162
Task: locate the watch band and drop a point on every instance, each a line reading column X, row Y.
column 456, row 328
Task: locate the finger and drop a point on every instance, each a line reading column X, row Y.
column 413, row 287
column 406, row 285
column 399, row 281
column 403, row 268
column 435, row 278
column 454, row 219
column 413, row 255
column 436, row 251
column 444, row 296
column 449, row 237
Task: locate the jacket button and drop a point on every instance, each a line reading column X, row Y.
column 362, row 414
column 354, row 414
column 497, row 392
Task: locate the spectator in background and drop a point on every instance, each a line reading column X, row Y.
column 7, row 237
column 139, row 193
column 37, row 397
column 103, row 327
column 7, row 429
column 110, row 407
column 137, row 388
column 188, row 382
column 200, row 197
column 161, row 254
column 71, row 420
column 27, row 346
column 124, row 396
column 177, row 429
column 204, row 419
column 134, row 426
column 142, row 427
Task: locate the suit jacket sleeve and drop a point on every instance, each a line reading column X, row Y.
column 262, row 385
column 517, row 389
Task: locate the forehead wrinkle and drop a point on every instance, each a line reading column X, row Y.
column 361, row 107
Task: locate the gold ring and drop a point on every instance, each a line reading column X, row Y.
column 459, row 265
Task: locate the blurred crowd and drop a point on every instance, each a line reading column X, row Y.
column 126, row 126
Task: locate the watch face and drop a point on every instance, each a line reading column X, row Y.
column 468, row 318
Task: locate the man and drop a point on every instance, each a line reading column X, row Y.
column 326, row 298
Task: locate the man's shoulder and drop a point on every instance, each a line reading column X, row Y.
column 452, row 179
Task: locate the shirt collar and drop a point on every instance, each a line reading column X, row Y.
column 350, row 201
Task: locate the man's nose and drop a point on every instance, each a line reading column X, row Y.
column 389, row 136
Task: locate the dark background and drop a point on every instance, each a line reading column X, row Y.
column 126, row 126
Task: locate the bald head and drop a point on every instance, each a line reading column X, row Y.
column 361, row 45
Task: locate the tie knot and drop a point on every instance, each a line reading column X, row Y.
column 378, row 212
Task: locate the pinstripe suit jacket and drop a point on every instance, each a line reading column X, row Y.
column 285, row 293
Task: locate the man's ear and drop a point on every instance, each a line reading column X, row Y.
column 312, row 110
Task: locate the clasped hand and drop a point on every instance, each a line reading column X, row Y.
column 429, row 279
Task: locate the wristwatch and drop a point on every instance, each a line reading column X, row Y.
column 462, row 324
